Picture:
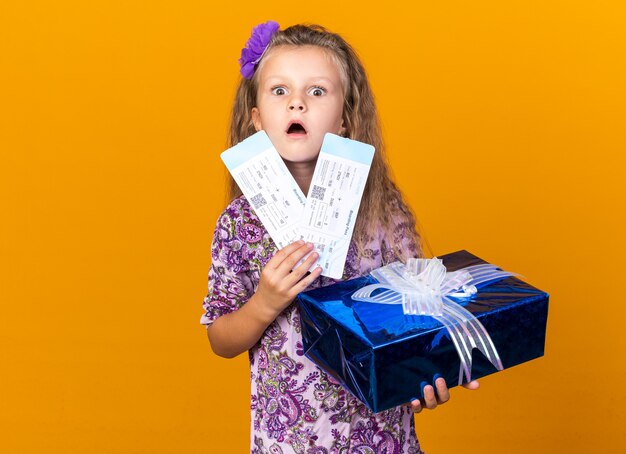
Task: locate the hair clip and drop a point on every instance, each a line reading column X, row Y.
column 255, row 47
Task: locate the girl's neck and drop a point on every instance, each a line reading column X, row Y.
column 302, row 172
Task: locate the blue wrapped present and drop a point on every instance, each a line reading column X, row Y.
column 384, row 338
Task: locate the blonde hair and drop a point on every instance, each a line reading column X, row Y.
column 382, row 201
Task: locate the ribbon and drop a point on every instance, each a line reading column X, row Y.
column 425, row 287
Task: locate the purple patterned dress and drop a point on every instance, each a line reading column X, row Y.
column 295, row 406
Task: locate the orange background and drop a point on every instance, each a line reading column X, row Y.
column 505, row 123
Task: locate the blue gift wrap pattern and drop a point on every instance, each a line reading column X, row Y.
column 385, row 357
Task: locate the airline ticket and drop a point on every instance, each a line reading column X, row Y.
column 333, row 200
column 270, row 189
column 326, row 217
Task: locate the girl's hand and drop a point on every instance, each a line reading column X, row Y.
column 432, row 399
column 280, row 283
column 238, row 331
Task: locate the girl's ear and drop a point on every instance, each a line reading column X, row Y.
column 256, row 119
column 342, row 128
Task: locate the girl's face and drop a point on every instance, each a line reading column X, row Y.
column 300, row 98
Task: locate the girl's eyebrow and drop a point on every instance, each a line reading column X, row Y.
column 273, row 80
column 323, row 79
column 312, row 79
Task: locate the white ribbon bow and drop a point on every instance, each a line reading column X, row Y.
column 424, row 287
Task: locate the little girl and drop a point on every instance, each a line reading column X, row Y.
column 299, row 84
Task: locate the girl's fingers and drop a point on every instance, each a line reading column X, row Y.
column 299, row 271
column 283, row 254
column 280, row 274
column 443, row 393
column 290, row 262
column 430, row 400
column 307, row 280
column 471, row 385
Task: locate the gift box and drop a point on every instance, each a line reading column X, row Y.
column 385, row 357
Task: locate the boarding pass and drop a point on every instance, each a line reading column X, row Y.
column 326, row 216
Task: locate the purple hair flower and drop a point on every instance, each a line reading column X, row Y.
column 255, row 47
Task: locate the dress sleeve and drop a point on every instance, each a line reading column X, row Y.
column 230, row 286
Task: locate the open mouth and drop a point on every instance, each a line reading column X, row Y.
column 296, row 128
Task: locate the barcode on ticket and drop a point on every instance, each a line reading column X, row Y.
column 318, row 192
column 258, row 201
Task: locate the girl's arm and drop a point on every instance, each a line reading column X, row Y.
column 238, row 331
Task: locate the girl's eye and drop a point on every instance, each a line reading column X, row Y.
column 317, row 91
column 279, row 91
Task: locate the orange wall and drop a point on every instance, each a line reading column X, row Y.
column 506, row 128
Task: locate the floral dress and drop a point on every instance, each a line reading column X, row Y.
column 296, row 406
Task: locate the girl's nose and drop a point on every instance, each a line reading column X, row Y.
column 296, row 104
